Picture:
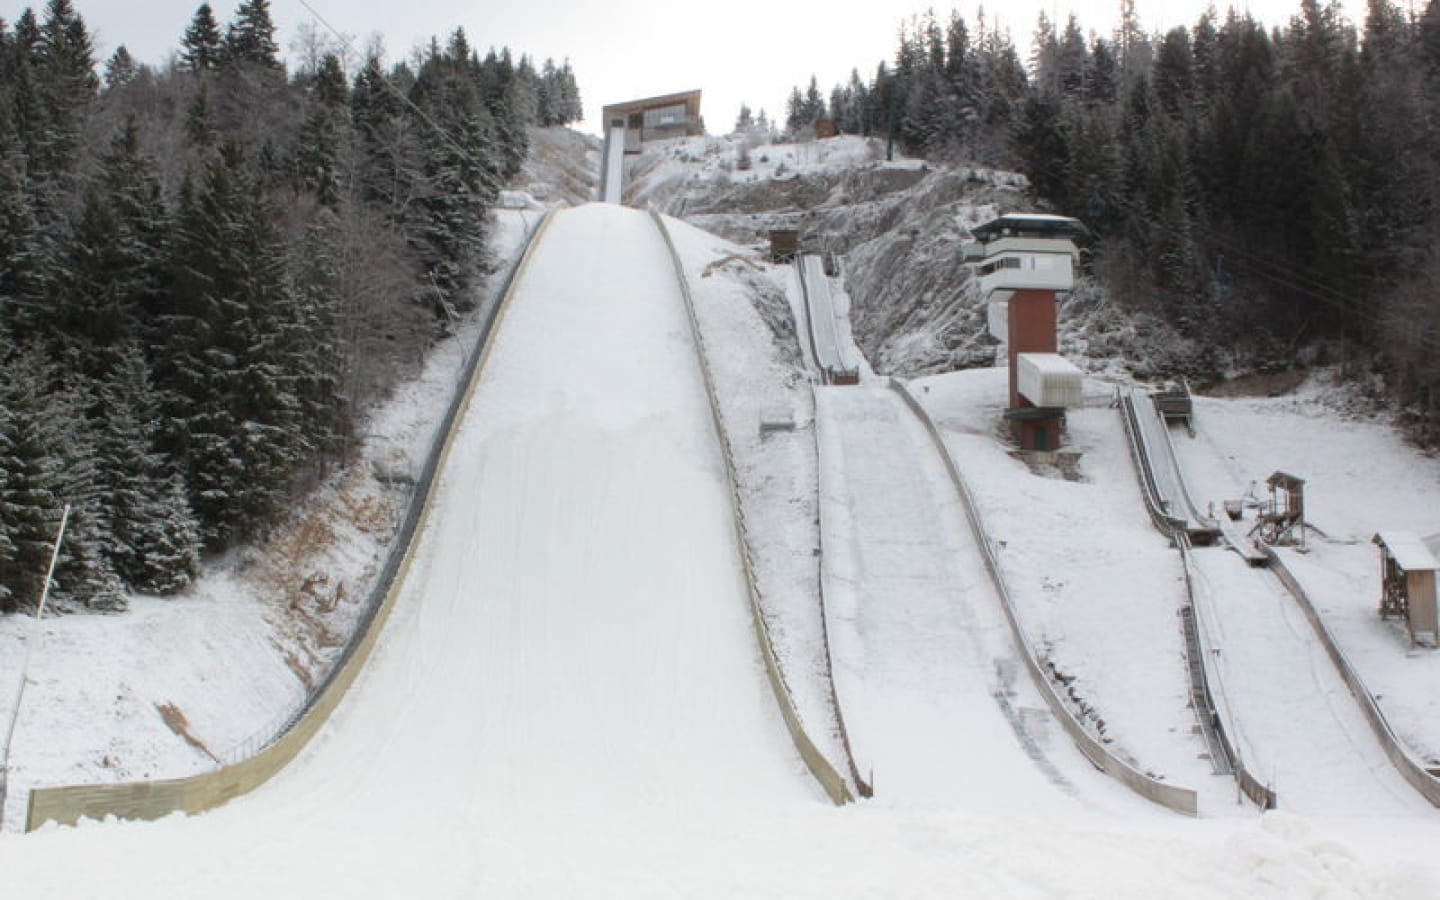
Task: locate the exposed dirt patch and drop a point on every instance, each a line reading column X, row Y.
column 176, row 721
column 1257, row 384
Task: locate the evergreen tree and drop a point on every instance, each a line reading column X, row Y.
column 202, row 45
column 250, row 39
column 234, row 355
column 65, row 84
column 388, row 165
column 154, row 539
column 34, row 480
column 200, row 128
column 120, row 68
column 318, row 156
column 465, row 153
column 106, row 293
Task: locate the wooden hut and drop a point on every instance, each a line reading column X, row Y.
column 1407, row 584
column 784, row 244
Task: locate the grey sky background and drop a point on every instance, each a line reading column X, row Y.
column 749, row 51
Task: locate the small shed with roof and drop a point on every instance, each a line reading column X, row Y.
column 1407, row 583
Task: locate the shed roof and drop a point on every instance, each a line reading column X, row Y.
column 1408, row 550
column 1284, row 480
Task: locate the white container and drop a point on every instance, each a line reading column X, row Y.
column 1048, row 379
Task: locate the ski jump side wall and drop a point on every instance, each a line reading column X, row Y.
column 1179, row 799
column 1411, row 769
column 197, row 793
column 829, row 777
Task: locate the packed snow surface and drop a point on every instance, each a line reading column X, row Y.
column 568, row 702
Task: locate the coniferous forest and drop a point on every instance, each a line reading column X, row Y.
column 210, row 270
column 1273, row 193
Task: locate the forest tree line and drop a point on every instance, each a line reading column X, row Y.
column 1274, row 193
column 210, row 270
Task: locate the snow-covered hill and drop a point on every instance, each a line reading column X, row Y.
column 487, row 752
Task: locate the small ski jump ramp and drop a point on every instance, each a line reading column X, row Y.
column 1157, row 454
column 935, row 696
column 830, row 352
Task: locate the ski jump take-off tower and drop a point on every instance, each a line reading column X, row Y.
column 1022, row 262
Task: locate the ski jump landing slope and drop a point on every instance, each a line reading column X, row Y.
column 1298, row 727
column 573, row 651
column 918, row 639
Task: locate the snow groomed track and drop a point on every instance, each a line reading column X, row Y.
column 939, row 703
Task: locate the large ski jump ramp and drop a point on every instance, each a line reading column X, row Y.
column 579, row 641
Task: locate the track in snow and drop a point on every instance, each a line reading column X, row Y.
column 918, row 640
column 1297, row 725
column 573, row 648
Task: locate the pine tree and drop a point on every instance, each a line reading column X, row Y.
column 200, row 128
column 120, row 69
column 154, row 542
column 234, row 355
column 250, row 39
column 106, row 292
column 388, row 166
column 202, row 45
column 318, row 155
column 33, row 484
column 464, row 159
column 569, row 109
column 84, row 575
column 65, row 72
column 23, row 257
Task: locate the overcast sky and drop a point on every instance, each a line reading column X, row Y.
column 735, row 51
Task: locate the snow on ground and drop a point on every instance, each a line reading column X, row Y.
column 113, row 698
column 939, row 710
column 1361, row 478
column 1097, row 588
column 761, row 379
column 561, row 705
column 1295, row 722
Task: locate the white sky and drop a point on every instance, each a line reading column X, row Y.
column 737, row 51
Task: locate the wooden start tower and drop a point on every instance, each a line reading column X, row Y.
column 1023, row 262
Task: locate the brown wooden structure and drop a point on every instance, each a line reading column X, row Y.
column 1407, row 584
column 655, row 118
column 784, row 244
column 1282, row 520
